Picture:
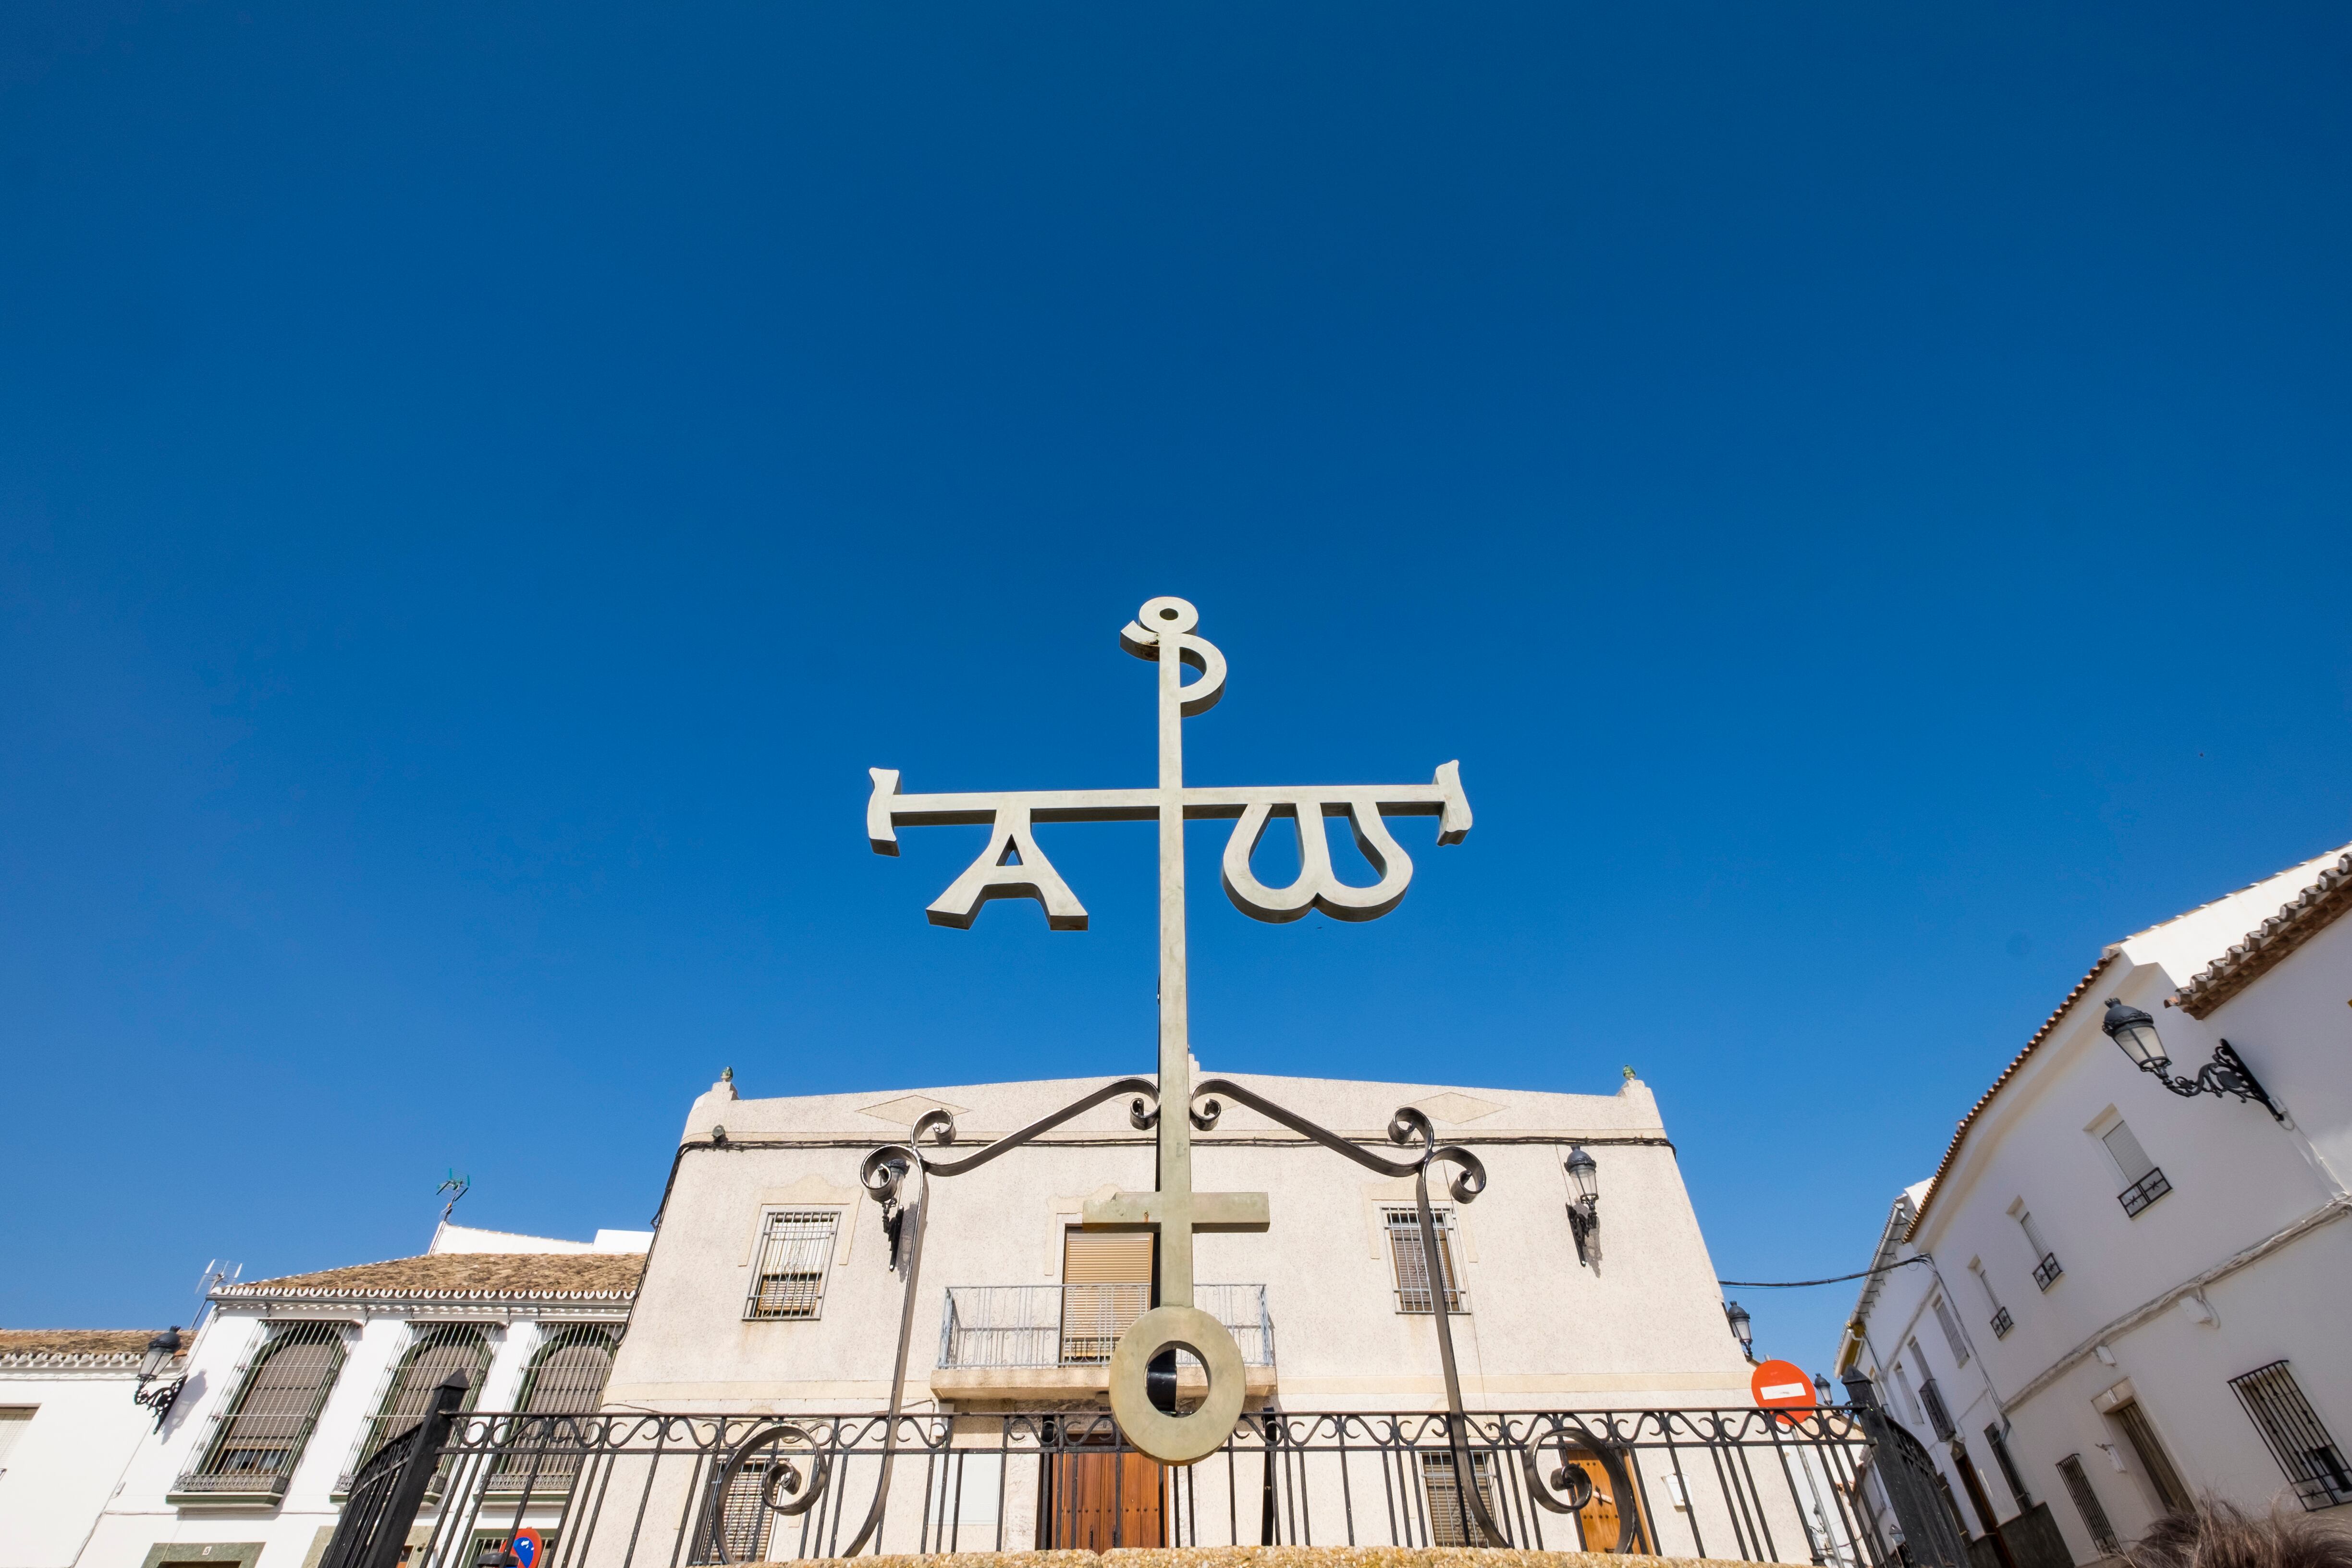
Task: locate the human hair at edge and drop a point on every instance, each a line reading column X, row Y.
column 2216, row 1534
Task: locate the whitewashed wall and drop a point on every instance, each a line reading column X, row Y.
column 1645, row 1330
column 66, row 1462
column 2247, row 1261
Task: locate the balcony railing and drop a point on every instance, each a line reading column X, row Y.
column 233, row 1486
column 1080, row 1325
column 690, row 1490
column 2046, row 1272
column 2144, row 1191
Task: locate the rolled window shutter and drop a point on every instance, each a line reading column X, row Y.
column 1106, row 1257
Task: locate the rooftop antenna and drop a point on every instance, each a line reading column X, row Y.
column 455, row 1186
column 218, row 1274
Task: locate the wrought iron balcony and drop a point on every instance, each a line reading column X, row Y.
column 2144, row 1191
column 1938, row 1416
column 2046, row 1272
column 2001, row 1324
column 245, row 1486
column 1078, row 1325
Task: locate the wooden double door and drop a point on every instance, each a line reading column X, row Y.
column 1095, row 1501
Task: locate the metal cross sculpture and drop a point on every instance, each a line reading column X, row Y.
column 1013, row 865
column 899, row 1176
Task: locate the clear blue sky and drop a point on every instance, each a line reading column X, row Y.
column 1864, row 491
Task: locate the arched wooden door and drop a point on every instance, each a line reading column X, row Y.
column 1603, row 1522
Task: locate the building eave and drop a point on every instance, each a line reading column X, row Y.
column 1967, row 1122
column 2303, row 917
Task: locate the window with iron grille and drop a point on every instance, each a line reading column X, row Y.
column 566, row 1377
column 2295, row 1434
column 2153, row 1462
column 2047, row 1268
column 2086, row 1503
column 270, row 1418
column 1445, row 1502
column 568, row 1371
column 744, row 1518
column 1938, row 1416
column 1411, row 1261
column 2001, row 1321
column 795, row 1251
column 1998, row 1441
column 2143, row 1183
column 435, row 1351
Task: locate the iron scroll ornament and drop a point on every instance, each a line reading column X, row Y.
column 885, row 1172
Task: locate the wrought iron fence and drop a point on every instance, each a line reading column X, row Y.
column 666, row 1491
column 1078, row 1325
column 392, row 1483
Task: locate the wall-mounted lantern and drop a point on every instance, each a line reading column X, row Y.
column 2227, row 1073
column 161, row 1350
column 1584, row 1209
column 1741, row 1328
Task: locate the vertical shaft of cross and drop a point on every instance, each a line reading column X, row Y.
column 1175, row 1182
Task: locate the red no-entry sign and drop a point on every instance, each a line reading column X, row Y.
column 1781, row 1385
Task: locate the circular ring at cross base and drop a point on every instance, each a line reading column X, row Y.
column 1176, row 1439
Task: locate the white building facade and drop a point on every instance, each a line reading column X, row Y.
column 772, row 1290
column 2113, row 1298
column 69, row 1424
column 291, row 1382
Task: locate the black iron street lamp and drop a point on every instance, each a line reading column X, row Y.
column 1584, row 1210
column 1741, row 1328
column 2227, row 1073
column 161, row 1350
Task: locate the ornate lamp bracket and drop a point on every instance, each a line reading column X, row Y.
column 160, row 1398
column 2227, row 1073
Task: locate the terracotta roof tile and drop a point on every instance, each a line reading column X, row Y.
column 462, row 1274
column 2304, row 916
column 82, row 1344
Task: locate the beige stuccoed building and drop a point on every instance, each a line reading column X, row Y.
column 768, row 1287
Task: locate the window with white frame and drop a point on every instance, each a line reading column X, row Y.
column 1910, row 1396
column 2001, row 1321
column 13, row 1419
column 795, row 1251
column 967, row 1498
column 2143, row 1183
column 1931, row 1396
column 1951, row 1328
column 1409, row 1256
column 2046, row 1266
